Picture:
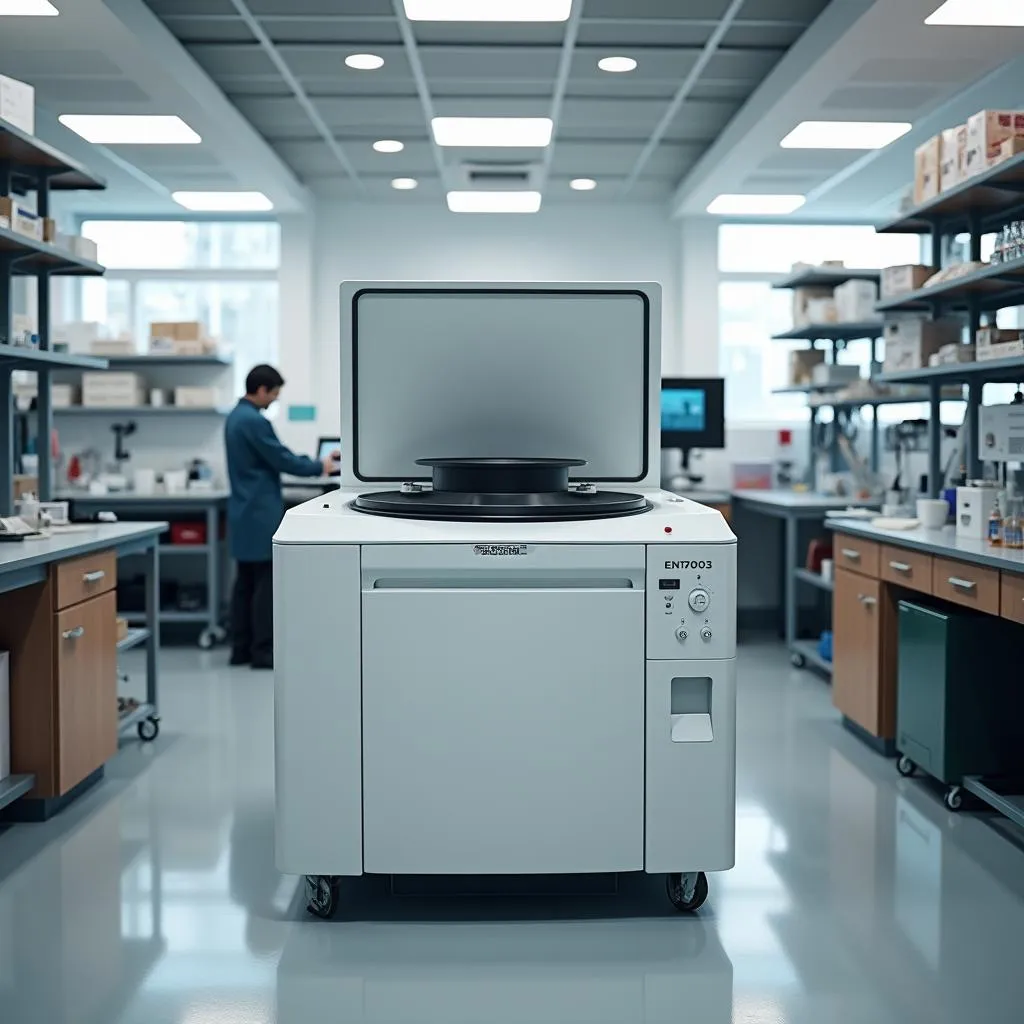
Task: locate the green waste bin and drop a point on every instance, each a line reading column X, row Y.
column 960, row 702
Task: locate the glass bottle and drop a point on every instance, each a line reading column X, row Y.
column 995, row 525
column 1013, row 527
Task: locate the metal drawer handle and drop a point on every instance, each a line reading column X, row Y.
column 866, row 600
column 93, row 577
column 74, row 634
column 899, row 566
column 854, row 556
column 955, row 581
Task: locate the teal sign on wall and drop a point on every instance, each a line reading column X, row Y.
column 301, row 413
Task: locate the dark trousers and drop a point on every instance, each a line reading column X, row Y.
column 252, row 613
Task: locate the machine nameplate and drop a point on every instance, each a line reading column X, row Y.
column 501, row 550
column 688, row 565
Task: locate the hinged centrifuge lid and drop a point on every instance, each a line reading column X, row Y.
column 536, row 370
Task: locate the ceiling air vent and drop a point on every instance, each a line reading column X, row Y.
column 498, row 174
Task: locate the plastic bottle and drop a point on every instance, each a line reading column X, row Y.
column 29, row 509
column 995, row 525
column 1013, row 527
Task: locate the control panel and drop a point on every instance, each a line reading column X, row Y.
column 691, row 601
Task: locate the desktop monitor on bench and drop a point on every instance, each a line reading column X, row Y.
column 692, row 414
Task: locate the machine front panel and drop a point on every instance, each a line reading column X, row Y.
column 691, row 602
column 503, row 727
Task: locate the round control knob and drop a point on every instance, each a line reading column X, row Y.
column 681, row 635
column 699, row 600
column 705, row 633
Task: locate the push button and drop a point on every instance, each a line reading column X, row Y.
column 699, row 600
column 681, row 635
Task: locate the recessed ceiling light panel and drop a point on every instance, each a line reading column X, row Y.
column 404, row 184
column 583, row 184
column 845, row 134
column 223, row 202
column 131, row 129
column 525, row 132
column 998, row 13
column 617, row 65
column 488, row 10
column 494, row 202
column 389, row 146
column 27, row 9
column 755, row 205
column 364, row 61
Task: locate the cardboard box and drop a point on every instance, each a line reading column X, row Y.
column 992, row 343
column 22, row 218
column 162, row 329
column 822, row 311
column 112, row 347
column 23, row 484
column 952, row 157
column 189, row 330
column 986, row 132
column 195, row 396
column 106, row 389
column 927, row 162
column 907, row 278
column 855, row 301
column 78, row 336
column 63, row 396
column 910, row 342
column 802, row 362
column 49, row 230
column 1010, row 148
column 18, row 104
column 5, row 714
column 83, row 248
column 801, row 297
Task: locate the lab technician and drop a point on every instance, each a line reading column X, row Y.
column 256, row 460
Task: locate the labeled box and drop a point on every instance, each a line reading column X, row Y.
column 104, row 389
column 927, row 162
column 855, row 301
column 953, row 154
column 801, row 298
column 192, row 396
column 911, row 342
column 802, row 362
column 903, row 279
column 18, row 104
column 22, row 219
column 822, row 311
column 62, row 396
column 986, row 132
column 994, row 343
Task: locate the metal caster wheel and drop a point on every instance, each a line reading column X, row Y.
column 906, row 767
column 322, row 895
column 798, row 660
column 688, row 890
column 954, row 798
column 148, row 729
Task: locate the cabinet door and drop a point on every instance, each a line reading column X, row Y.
column 856, row 645
column 86, row 688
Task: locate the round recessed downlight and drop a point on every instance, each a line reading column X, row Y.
column 617, row 64
column 389, row 146
column 364, row 61
column 583, row 184
column 404, row 184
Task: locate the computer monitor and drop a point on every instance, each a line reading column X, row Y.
column 328, row 446
column 692, row 412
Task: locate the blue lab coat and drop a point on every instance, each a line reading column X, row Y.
column 256, row 460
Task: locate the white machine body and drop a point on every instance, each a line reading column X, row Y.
column 1001, row 433
column 503, row 698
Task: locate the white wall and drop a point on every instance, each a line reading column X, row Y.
column 627, row 242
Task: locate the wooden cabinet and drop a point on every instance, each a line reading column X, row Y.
column 969, row 585
column 906, row 568
column 856, row 554
column 63, row 644
column 1011, row 600
column 86, row 639
column 858, row 650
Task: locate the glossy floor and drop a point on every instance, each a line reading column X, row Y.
column 856, row 897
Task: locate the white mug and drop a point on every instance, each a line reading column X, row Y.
column 145, row 481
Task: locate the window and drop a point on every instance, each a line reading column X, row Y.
column 750, row 258
column 223, row 274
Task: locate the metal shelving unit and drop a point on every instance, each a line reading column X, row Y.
column 143, row 360
column 825, row 277
column 853, row 331
column 26, row 164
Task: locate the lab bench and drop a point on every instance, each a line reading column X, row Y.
column 57, row 620
column 208, row 506
column 794, row 508
column 876, row 568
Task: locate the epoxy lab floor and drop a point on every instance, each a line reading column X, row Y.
column 856, row 897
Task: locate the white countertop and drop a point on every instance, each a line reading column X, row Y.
column 39, row 551
column 800, row 501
